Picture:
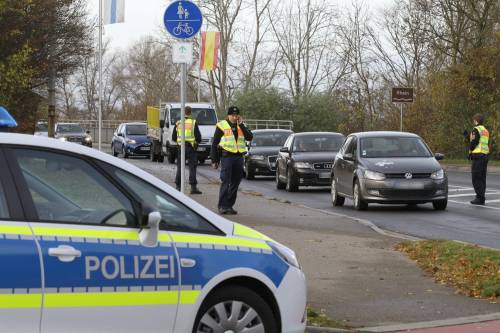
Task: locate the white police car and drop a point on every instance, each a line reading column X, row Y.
column 90, row 243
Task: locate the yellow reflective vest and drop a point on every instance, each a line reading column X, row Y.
column 189, row 125
column 228, row 142
column 484, row 140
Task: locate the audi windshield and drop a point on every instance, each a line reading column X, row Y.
column 324, row 143
column 382, row 147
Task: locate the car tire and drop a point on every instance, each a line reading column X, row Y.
column 440, row 204
column 249, row 302
column 291, row 184
column 337, row 200
column 279, row 184
column 359, row 203
column 115, row 153
column 249, row 173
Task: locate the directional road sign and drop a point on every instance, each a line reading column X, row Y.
column 183, row 19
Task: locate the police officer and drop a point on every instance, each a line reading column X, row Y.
column 229, row 148
column 479, row 150
column 192, row 137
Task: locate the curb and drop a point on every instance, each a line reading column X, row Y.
column 315, row 329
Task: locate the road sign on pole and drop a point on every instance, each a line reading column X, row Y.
column 183, row 20
column 402, row 96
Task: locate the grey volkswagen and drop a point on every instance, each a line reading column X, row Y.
column 388, row 168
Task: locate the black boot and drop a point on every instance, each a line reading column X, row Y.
column 477, row 201
column 195, row 190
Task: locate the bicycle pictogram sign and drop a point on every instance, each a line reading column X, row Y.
column 183, row 19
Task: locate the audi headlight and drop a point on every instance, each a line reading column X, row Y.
column 132, row 142
column 62, row 139
column 438, row 174
column 374, row 175
column 285, row 253
column 257, row 157
column 88, row 139
column 303, row 165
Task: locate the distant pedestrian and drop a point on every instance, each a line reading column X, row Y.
column 479, row 149
column 192, row 136
column 228, row 149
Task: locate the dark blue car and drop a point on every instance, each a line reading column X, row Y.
column 130, row 139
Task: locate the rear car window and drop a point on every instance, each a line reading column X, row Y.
column 4, row 211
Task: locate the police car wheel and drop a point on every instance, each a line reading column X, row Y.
column 235, row 309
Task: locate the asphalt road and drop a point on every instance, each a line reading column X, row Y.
column 461, row 221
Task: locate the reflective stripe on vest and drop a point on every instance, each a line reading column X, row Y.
column 484, row 140
column 228, row 142
column 188, row 131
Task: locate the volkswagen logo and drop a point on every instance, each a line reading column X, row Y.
column 408, row 175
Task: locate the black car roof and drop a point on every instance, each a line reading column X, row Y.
column 378, row 134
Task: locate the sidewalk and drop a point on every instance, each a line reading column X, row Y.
column 353, row 273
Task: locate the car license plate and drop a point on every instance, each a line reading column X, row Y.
column 324, row 175
column 410, row 185
column 145, row 148
column 201, row 149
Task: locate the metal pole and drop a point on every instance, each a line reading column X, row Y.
column 100, row 75
column 401, row 108
column 52, row 100
column 199, row 64
column 183, row 116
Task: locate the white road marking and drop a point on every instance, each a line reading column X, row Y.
column 470, row 194
column 467, row 203
column 492, row 201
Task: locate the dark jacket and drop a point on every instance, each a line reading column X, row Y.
column 214, row 152
column 197, row 133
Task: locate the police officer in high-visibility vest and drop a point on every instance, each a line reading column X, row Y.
column 228, row 149
column 479, row 151
column 192, row 137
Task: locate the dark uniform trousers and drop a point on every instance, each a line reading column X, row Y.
column 479, row 169
column 231, row 174
column 192, row 158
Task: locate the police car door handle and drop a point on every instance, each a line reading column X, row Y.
column 188, row 263
column 64, row 253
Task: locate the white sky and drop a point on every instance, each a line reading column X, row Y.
column 145, row 17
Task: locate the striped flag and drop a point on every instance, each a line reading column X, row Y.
column 210, row 42
column 113, row 11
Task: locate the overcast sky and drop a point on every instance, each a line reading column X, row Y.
column 145, row 17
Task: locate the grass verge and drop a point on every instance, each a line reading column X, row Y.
column 320, row 319
column 472, row 270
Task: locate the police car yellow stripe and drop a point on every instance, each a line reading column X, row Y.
column 67, row 300
column 218, row 240
column 244, row 231
column 20, row 301
column 19, row 230
column 92, row 233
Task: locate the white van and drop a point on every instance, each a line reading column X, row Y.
column 205, row 116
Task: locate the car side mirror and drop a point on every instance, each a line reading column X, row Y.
column 148, row 236
column 439, row 156
column 285, row 150
column 348, row 157
column 120, row 134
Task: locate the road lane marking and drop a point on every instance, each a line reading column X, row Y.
column 479, row 206
column 470, row 194
column 492, row 201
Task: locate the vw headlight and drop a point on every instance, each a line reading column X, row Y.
column 303, row 165
column 374, row 175
column 132, row 142
column 257, row 157
column 285, row 253
column 438, row 174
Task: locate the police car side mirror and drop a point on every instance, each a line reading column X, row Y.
column 148, row 236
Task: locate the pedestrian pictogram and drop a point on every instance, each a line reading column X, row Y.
column 183, row 19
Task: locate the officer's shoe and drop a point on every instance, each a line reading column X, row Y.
column 178, row 187
column 478, row 202
column 223, row 211
column 231, row 211
column 195, row 190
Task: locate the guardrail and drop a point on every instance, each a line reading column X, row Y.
column 269, row 124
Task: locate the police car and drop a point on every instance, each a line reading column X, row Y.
column 90, row 243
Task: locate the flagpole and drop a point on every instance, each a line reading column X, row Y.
column 100, row 74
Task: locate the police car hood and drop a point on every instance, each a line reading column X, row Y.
column 224, row 225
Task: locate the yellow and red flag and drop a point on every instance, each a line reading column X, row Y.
column 210, row 42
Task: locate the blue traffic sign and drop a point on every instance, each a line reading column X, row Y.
column 183, row 19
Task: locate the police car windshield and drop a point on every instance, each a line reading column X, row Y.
column 381, row 147
column 136, row 129
column 318, row 143
column 69, row 128
column 269, row 139
column 202, row 116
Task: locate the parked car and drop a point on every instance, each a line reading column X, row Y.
column 41, row 128
column 72, row 132
column 306, row 159
column 388, row 168
column 131, row 139
column 263, row 152
column 90, row 243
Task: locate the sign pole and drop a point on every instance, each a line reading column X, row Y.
column 183, row 124
column 401, row 108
